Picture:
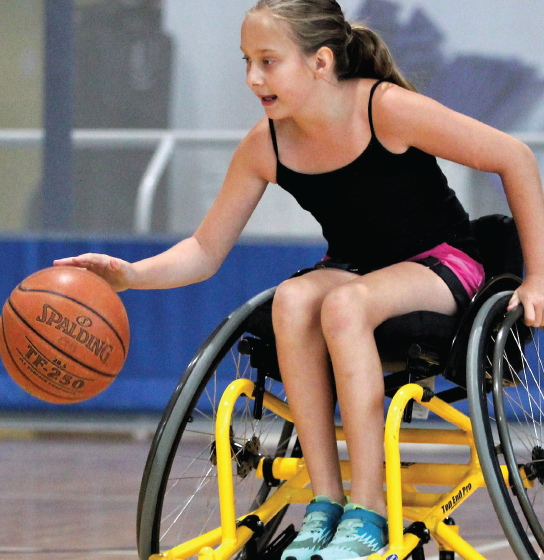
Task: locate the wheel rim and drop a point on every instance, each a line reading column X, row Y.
column 483, row 419
column 518, row 403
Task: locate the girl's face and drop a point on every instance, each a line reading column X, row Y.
column 277, row 72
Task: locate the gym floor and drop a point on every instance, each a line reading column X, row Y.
column 69, row 490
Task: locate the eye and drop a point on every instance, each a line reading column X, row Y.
column 268, row 61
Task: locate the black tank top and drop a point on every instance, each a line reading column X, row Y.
column 382, row 208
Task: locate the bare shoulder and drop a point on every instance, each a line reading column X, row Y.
column 391, row 102
column 256, row 152
column 396, row 111
column 404, row 118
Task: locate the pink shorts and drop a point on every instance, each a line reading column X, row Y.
column 469, row 272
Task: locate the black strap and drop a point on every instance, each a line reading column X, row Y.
column 454, row 284
column 252, row 522
column 370, row 106
column 269, row 478
column 273, row 134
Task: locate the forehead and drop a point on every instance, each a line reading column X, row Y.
column 262, row 31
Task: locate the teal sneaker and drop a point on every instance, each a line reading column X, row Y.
column 360, row 533
column 318, row 528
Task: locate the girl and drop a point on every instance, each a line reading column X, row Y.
column 354, row 143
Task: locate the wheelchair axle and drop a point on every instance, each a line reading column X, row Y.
column 535, row 469
column 247, row 456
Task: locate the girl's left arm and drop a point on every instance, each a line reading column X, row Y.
column 410, row 119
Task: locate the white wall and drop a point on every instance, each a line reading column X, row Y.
column 210, row 93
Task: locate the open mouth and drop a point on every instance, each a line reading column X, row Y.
column 268, row 99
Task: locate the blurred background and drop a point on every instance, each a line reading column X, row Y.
column 117, row 122
column 118, row 119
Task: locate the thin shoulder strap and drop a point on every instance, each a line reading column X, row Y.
column 370, row 106
column 273, row 134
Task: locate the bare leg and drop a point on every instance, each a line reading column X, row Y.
column 304, row 365
column 350, row 313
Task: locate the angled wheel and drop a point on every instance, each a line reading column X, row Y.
column 505, row 382
column 179, row 495
column 517, row 362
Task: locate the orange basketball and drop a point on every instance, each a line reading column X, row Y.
column 65, row 334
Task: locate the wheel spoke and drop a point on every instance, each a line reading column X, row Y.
column 191, row 498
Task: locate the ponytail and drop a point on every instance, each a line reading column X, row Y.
column 367, row 56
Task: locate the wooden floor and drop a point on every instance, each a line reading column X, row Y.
column 72, row 494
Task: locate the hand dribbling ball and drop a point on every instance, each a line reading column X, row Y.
column 64, row 334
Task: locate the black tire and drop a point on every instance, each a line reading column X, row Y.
column 179, row 473
column 502, row 352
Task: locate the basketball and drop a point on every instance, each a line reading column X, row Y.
column 65, row 334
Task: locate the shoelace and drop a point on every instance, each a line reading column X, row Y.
column 314, row 521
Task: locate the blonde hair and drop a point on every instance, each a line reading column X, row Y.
column 358, row 51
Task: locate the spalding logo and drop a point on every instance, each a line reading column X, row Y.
column 75, row 330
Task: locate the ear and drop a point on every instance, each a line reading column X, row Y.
column 323, row 62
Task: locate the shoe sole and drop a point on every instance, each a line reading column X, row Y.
column 381, row 551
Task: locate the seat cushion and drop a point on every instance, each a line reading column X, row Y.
column 395, row 336
column 424, row 326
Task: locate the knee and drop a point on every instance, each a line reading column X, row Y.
column 347, row 309
column 295, row 305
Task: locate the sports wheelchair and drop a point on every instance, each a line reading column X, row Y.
column 225, row 463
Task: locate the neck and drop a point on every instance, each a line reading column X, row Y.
column 333, row 106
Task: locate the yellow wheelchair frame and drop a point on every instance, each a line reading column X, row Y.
column 471, row 349
column 404, row 501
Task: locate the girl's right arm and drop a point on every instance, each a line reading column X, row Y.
column 200, row 256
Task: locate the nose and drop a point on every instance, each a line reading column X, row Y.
column 254, row 77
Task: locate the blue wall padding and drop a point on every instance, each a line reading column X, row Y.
column 167, row 326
